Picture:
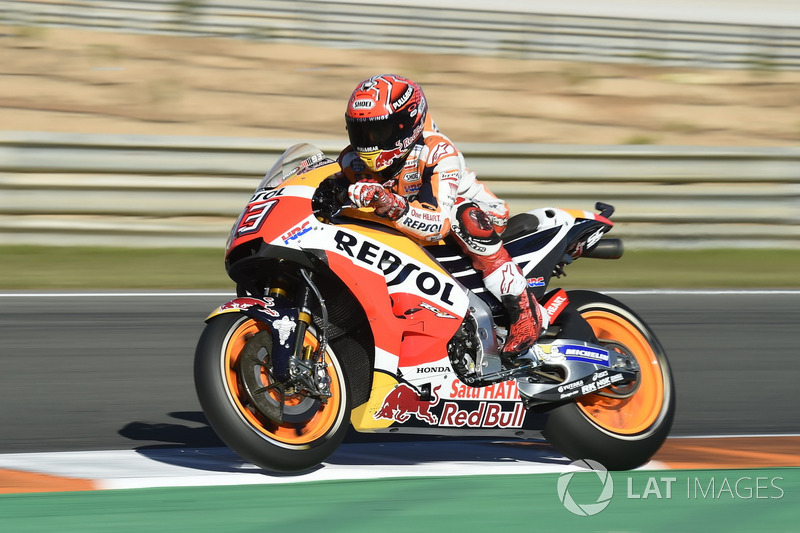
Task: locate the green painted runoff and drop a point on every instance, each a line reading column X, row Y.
column 762, row 501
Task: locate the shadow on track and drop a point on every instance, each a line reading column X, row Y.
column 174, row 435
column 198, row 447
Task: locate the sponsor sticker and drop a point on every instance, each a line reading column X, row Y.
column 363, row 104
column 487, row 415
column 570, row 386
column 585, row 353
column 403, row 402
column 449, row 176
column 435, row 311
column 396, row 270
column 241, row 304
column 400, row 102
column 505, row 390
column 297, row 231
column 439, row 151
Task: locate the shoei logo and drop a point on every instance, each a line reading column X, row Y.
column 586, row 490
column 363, row 104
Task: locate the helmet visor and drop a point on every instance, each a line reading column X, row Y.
column 383, row 133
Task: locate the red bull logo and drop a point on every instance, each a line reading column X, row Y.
column 387, row 157
column 404, row 401
column 487, row 415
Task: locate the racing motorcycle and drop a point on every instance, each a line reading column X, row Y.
column 342, row 321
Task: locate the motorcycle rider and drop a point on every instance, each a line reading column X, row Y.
column 411, row 174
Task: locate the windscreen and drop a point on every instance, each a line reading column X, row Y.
column 293, row 159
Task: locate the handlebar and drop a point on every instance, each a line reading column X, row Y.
column 342, row 198
column 329, row 198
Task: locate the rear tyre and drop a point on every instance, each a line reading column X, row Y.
column 241, row 400
column 619, row 433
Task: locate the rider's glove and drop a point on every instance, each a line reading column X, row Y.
column 370, row 193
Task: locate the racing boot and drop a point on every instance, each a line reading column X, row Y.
column 525, row 324
column 507, row 283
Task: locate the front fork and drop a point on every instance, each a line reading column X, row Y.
column 294, row 363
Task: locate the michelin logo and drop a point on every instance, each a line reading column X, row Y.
column 585, row 353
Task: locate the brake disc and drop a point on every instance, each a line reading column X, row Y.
column 278, row 401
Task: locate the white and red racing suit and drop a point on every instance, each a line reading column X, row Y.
column 437, row 195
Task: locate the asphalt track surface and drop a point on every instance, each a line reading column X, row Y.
column 101, row 371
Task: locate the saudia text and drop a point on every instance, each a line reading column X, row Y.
column 505, row 390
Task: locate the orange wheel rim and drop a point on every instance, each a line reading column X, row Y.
column 288, row 433
column 637, row 413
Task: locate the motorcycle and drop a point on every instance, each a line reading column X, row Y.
column 342, row 321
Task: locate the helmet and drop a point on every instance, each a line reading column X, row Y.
column 385, row 117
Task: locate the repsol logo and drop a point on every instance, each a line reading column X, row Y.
column 422, row 227
column 266, row 194
column 391, row 265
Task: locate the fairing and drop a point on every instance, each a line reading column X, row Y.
column 412, row 304
column 414, row 296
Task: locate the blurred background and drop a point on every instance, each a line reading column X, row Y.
column 147, row 123
column 132, row 133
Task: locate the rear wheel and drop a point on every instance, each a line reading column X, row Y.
column 277, row 426
column 622, row 428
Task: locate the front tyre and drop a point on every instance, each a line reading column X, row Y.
column 232, row 367
column 621, row 433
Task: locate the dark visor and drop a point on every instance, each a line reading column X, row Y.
column 368, row 134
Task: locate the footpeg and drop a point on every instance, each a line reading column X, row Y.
column 531, row 358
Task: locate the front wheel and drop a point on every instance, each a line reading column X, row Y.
column 619, row 431
column 273, row 425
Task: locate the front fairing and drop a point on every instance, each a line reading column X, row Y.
column 413, row 305
column 284, row 198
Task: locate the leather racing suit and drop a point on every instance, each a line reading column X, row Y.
column 435, row 194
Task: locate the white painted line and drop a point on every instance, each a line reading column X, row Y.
column 182, row 467
column 119, row 469
column 124, row 469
